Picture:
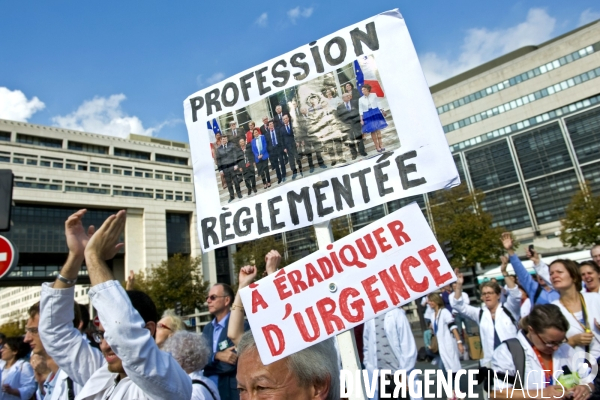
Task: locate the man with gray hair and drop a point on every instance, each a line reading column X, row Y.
column 310, row 373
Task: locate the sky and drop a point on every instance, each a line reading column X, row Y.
column 125, row 67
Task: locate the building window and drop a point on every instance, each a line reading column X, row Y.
column 507, row 207
column 140, row 155
column 4, row 136
column 171, row 159
column 300, row 243
column 398, row 204
column 584, row 130
column 591, row 173
column 38, row 140
column 88, row 148
column 362, row 218
column 551, row 194
column 542, row 151
column 178, row 234
column 491, row 166
column 222, row 265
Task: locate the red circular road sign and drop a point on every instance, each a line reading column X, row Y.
column 8, row 256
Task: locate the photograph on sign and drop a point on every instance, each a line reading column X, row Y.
column 339, row 125
column 334, row 119
column 384, row 265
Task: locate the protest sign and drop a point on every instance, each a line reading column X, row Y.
column 384, row 265
column 337, row 126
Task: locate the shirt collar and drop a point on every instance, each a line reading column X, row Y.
column 222, row 322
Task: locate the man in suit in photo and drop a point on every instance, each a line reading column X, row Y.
column 278, row 119
column 235, row 133
column 246, row 165
column 289, row 143
column 222, row 367
column 306, row 142
column 275, row 148
column 227, row 163
column 348, row 114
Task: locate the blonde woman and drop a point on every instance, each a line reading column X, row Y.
column 167, row 326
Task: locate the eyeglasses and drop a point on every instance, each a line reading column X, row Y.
column 487, row 294
column 213, row 297
column 551, row 344
column 33, row 331
column 98, row 336
column 163, row 326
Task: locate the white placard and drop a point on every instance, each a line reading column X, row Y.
column 323, row 140
column 384, row 265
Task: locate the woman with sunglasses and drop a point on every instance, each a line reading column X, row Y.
column 497, row 322
column 167, row 326
column 16, row 374
column 547, row 357
column 590, row 275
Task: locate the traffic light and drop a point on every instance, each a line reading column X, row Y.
column 6, row 190
column 447, row 249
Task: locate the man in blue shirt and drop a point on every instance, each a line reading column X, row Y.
column 222, row 367
column 534, row 290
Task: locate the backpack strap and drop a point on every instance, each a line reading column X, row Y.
column 508, row 313
column 70, row 391
column 518, row 355
column 199, row 382
column 536, row 296
column 480, row 314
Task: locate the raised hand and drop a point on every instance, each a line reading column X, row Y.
column 503, row 264
column 130, row 284
column 77, row 236
column 273, row 259
column 246, row 276
column 104, row 244
column 507, row 241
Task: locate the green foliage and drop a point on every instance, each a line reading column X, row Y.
column 177, row 279
column 580, row 226
column 458, row 217
column 13, row 328
column 254, row 252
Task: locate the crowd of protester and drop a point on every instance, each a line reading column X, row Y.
column 241, row 154
column 131, row 353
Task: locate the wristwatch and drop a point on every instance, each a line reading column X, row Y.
column 65, row 280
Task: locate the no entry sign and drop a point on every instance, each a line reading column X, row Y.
column 8, row 257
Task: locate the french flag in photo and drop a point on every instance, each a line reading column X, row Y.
column 215, row 126
column 211, row 134
column 367, row 75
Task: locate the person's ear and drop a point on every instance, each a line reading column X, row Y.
column 151, row 326
column 320, row 390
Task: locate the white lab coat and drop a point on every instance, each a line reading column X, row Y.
column 399, row 334
column 18, row 376
column 199, row 392
column 502, row 362
column 447, row 345
column 61, row 389
column 464, row 297
column 592, row 301
column 504, row 326
column 151, row 373
column 526, row 308
column 429, row 314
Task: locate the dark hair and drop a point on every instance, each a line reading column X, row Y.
column 591, row 264
column 143, row 305
column 544, row 316
column 572, row 268
column 85, row 316
column 493, row 285
column 348, row 83
column 35, row 310
column 2, row 337
column 17, row 345
column 227, row 291
column 367, row 86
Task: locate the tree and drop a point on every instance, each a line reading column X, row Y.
column 459, row 217
column 13, row 328
column 254, row 252
column 177, row 279
column 580, row 226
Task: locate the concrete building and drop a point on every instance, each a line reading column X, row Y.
column 524, row 128
column 59, row 171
